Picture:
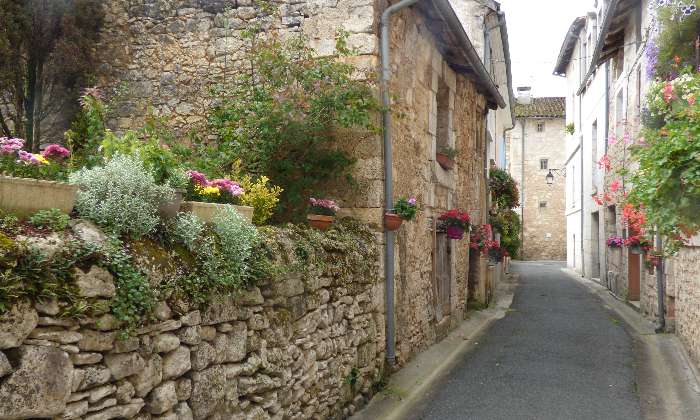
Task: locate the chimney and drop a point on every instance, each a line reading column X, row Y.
column 524, row 95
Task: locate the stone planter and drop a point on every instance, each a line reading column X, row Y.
column 392, row 221
column 455, row 232
column 169, row 209
column 206, row 211
column 445, row 161
column 24, row 196
column 319, row 221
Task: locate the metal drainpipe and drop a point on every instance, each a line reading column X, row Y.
column 580, row 150
column 607, row 127
column 660, row 292
column 388, row 177
column 522, row 185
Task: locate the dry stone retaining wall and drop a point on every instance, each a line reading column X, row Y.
column 307, row 346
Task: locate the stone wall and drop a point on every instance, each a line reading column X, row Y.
column 309, row 345
column 166, row 55
column 544, row 227
column 682, row 283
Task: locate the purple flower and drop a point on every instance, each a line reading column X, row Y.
column 652, row 53
column 55, row 150
column 412, row 201
column 325, row 203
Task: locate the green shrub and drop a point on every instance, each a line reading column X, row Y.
column 504, row 189
column 186, row 229
column 280, row 119
column 121, row 196
column 52, row 219
column 507, row 223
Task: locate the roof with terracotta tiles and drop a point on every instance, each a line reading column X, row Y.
column 552, row 107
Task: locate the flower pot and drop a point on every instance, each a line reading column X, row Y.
column 206, row 211
column 445, row 161
column 455, row 232
column 25, row 196
column 320, row 221
column 169, row 209
column 392, row 221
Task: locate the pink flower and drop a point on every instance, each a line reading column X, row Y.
column 691, row 99
column 614, row 186
column 668, row 92
column 627, row 137
column 604, row 163
column 227, row 185
column 10, row 145
column 325, row 203
column 412, row 201
column 198, row 178
column 55, row 150
column 612, row 139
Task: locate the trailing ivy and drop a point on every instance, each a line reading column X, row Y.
column 504, row 189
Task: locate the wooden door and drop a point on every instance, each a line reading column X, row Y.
column 633, row 276
column 443, row 275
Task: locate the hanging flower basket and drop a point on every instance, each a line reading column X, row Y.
column 25, row 196
column 392, row 221
column 446, row 162
column 455, row 232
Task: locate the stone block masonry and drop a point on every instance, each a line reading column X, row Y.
column 307, row 345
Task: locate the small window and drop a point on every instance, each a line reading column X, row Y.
column 544, row 163
column 540, row 127
column 543, row 204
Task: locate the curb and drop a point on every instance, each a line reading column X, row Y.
column 408, row 385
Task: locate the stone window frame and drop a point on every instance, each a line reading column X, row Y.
column 542, row 205
column 540, row 126
column 544, row 164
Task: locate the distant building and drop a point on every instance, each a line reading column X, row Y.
column 536, row 149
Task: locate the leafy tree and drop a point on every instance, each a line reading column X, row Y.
column 46, row 53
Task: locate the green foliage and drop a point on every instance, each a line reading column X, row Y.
column 405, row 208
column 29, row 274
column 87, row 131
column 52, row 219
column 281, row 117
column 262, row 196
column 121, row 196
column 186, row 228
column 9, row 223
column 667, row 183
column 507, row 223
column 676, row 39
column 570, row 129
column 134, row 300
column 504, row 189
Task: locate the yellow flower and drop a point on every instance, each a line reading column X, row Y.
column 41, row 159
column 210, row 190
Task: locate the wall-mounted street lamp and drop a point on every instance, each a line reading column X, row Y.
column 550, row 175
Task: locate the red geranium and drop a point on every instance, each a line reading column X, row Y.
column 455, row 217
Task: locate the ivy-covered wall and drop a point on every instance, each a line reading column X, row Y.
column 305, row 342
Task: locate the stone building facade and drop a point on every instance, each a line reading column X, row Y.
column 165, row 56
column 536, row 147
column 613, row 39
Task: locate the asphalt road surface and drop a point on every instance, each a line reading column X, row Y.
column 558, row 354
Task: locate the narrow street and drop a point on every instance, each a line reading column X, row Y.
column 558, row 354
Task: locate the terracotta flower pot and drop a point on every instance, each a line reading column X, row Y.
column 455, row 232
column 169, row 209
column 445, row 161
column 24, row 196
column 206, row 211
column 392, row 221
column 320, row 221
